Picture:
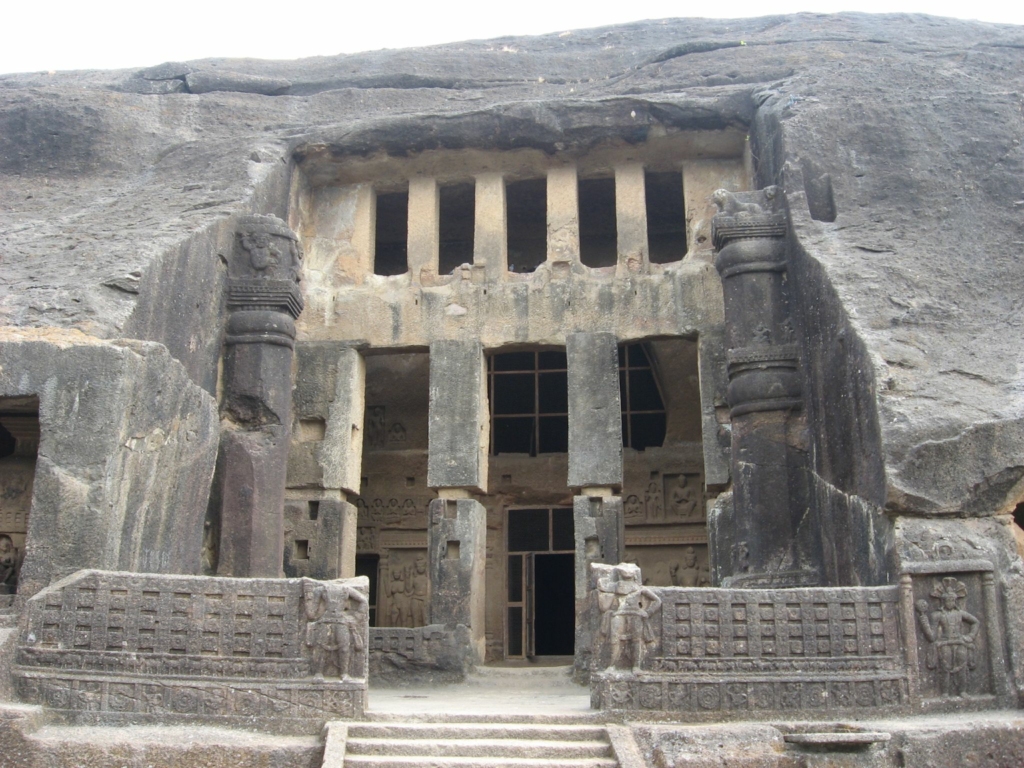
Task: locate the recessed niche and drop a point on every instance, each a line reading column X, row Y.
column 666, row 216
column 391, row 249
column 527, row 210
column 598, row 231
column 457, row 222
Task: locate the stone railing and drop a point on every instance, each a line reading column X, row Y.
column 434, row 653
column 111, row 647
column 712, row 654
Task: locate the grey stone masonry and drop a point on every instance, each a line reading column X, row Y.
column 595, row 421
column 458, row 427
column 106, row 647
column 458, row 553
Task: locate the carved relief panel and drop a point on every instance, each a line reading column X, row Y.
column 404, row 588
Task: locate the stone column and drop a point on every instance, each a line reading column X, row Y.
column 595, row 467
column 631, row 218
column 325, row 457
column 264, row 301
column 458, row 557
column 563, row 217
column 424, row 218
column 769, row 538
column 490, row 238
column 595, row 450
column 458, row 440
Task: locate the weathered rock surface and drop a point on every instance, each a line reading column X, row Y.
column 127, row 452
column 896, row 138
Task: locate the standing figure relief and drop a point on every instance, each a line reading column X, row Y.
column 951, row 632
column 335, row 619
column 626, row 609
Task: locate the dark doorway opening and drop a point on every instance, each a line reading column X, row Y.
column 541, row 607
column 555, row 606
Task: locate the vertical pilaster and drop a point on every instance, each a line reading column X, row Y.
column 490, row 239
column 631, row 218
column 770, row 540
column 563, row 215
column 264, row 300
column 424, row 233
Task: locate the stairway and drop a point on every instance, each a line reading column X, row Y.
column 472, row 745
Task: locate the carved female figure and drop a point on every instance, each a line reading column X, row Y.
column 951, row 649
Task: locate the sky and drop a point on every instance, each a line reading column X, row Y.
column 115, row 34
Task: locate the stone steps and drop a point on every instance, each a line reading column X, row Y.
column 476, row 745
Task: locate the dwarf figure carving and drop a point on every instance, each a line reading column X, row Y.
column 951, row 632
column 626, row 608
column 335, row 617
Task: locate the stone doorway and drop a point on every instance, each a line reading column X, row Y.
column 541, row 573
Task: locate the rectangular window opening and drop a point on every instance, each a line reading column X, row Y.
column 301, row 549
column 666, row 216
column 598, row 233
column 458, row 214
column 529, row 402
column 526, row 204
column 391, row 241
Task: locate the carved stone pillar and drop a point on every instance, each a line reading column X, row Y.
column 768, row 537
column 264, row 300
column 458, row 440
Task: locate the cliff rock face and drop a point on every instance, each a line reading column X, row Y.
column 897, row 140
